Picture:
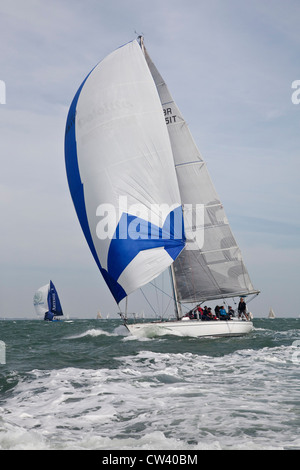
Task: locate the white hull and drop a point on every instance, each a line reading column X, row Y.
column 193, row 328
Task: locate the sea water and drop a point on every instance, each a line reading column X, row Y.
column 89, row 384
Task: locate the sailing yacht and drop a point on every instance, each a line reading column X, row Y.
column 271, row 313
column 143, row 195
column 46, row 302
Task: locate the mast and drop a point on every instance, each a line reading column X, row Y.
column 141, row 42
column 177, row 304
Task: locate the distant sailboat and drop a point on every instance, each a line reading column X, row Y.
column 99, row 316
column 46, row 302
column 271, row 313
column 134, row 170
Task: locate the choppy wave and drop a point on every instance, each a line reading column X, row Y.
column 231, row 394
column 93, row 332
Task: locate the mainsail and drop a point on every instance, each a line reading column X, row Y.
column 211, row 266
column 53, row 301
column 46, row 302
column 121, row 173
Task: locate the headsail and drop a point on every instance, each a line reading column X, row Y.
column 40, row 300
column 121, row 172
column 211, row 266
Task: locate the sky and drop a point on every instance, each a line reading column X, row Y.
column 229, row 65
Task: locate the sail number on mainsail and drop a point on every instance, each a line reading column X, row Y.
column 169, row 118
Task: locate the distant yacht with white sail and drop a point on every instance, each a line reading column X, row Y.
column 271, row 313
column 135, row 171
column 47, row 303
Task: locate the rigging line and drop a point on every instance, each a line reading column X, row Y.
column 157, row 300
column 253, row 297
column 166, row 308
column 156, row 287
column 147, row 301
column 248, row 300
column 207, row 271
column 162, row 298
